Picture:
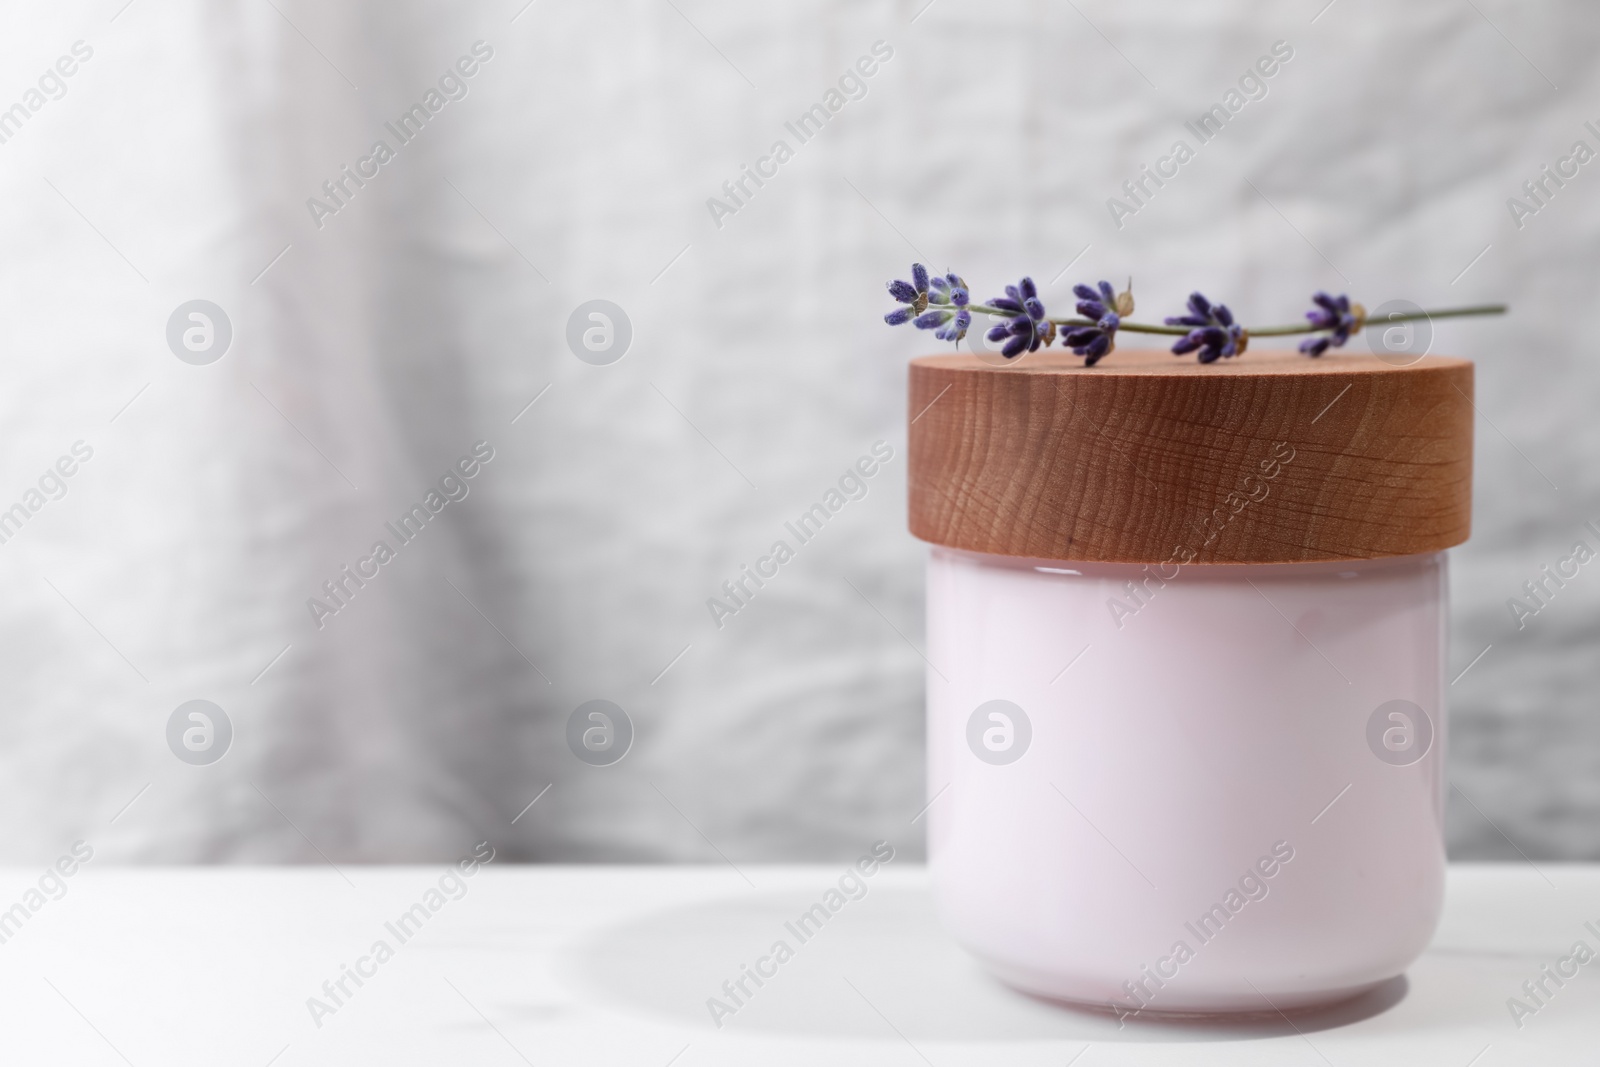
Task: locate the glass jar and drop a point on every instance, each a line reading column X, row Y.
column 1186, row 647
column 1187, row 788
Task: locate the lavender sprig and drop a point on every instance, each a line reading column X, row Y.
column 944, row 305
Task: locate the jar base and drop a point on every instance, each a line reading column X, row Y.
column 1175, row 1005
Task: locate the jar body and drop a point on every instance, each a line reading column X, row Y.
column 1187, row 789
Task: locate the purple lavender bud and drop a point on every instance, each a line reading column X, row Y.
column 1097, row 348
column 1330, row 303
column 957, row 329
column 922, row 291
column 1027, row 326
column 998, row 332
column 1215, row 334
column 1094, row 341
column 1336, row 315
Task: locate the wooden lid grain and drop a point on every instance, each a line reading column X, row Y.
column 1134, row 460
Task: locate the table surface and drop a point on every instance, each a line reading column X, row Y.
column 614, row 965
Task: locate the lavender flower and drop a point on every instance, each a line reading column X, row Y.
column 1097, row 340
column 1336, row 314
column 1215, row 333
column 1026, row 328
column 914, row 292
column 950, row 290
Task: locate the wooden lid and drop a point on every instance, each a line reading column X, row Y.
column 1134, row 460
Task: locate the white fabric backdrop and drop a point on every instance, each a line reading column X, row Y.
column 424, row 316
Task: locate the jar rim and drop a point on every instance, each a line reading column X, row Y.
column 1066, row 568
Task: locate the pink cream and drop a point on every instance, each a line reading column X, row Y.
column 1217, row 789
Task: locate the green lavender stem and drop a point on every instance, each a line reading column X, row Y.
column 1265, row 331
column 1443, row 313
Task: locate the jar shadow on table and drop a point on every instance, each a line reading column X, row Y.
column 879, row 968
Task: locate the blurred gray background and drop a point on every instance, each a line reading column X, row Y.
column 371, row 351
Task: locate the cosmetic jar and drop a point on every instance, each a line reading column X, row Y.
column 1186, row 643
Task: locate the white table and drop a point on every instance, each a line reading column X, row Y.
column 613, row 965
